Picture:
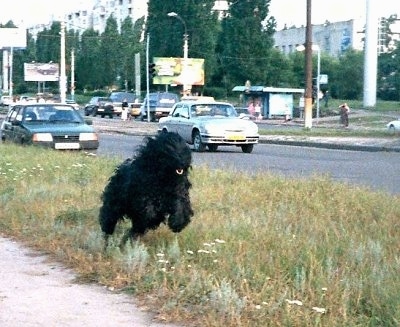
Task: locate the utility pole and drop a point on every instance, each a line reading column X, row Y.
column 72, row 75
column 63, row 77
column 308, row 70
column 147, row 78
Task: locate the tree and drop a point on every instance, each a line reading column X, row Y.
column 88, row 74
column 347, row 80
column 110, row 59
column 130, row 45
column 389, row 75
column 245, row 43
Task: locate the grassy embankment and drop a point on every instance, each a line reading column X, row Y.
column 261, row 251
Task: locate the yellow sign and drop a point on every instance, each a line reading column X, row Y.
column 178, row 71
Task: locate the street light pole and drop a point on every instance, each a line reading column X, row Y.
column 186, row 87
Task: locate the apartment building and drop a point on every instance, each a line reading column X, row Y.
column 332, row 38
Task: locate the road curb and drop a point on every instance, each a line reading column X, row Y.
column 323, row 145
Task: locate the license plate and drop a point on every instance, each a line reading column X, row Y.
column 236, row 137
column 67, row 146
column 100, row 109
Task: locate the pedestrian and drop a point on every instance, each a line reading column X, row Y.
column 257, row 109
column 124, row 113
column 250, row 109
column 326, row 98
column 344, row 114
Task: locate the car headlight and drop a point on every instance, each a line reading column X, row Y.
column 88, row 137
column 42, row 137
column 212, row 129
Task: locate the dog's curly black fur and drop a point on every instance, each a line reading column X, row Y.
column 149, row 189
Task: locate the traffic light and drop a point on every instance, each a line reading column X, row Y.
column 152, row 70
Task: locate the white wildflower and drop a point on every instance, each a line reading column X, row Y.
column 319, row 310
column 297, row 302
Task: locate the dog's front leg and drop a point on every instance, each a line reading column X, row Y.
column 181, row 215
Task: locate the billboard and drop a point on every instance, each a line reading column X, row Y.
column 12, row 38
column 173, row 71
column 37, row 72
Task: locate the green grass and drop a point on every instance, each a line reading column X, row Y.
column 262, row 250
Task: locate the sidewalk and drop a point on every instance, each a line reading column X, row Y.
column 389, row 144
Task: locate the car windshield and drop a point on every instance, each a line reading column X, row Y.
column 119, row 97
column 54, row 113
column 213, row 109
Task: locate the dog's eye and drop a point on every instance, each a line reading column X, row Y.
column 179, row 171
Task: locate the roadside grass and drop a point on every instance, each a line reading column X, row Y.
column 262, row 250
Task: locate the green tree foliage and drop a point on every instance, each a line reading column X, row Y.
column 347, row 81
column 245, row 44
column 110, row 59
column 389, row 75
column 48, row 44
column 130, row 45
column 88, row 74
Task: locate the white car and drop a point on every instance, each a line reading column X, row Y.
column 210, row 124
column 394, row 126
column 5, row 100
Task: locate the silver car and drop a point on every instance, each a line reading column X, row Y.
column 210, row 124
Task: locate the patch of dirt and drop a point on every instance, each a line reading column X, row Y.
column 37, row 292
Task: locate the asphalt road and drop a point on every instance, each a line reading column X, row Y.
column 379, row 171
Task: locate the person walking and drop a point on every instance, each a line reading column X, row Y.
column 124, row 113
column 257, row 109
column 344, row 114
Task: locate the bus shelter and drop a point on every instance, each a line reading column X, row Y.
column 274, row 101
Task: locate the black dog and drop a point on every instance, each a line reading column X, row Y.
column 150, row 189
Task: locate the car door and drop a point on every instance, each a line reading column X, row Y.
column 18, row 132
column 8, row 127
column 185, row 124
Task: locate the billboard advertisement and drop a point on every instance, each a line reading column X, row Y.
column 174, row 71
column 37, row 72
column 12, row 38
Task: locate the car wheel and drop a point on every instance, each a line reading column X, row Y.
column 102, row 116
column 197, row 144
column 247, row 148
column 212, row 147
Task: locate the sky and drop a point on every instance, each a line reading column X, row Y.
column 26, row 13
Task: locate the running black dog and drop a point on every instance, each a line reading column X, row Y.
column 150, row 189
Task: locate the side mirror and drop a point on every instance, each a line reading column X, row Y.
column 88, row 121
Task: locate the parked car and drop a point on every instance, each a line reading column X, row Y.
column 210, row 124
column 99, row 106
column 394, row 126
column 118, row 97
column 58, row 126
column 73, row 103
column 5, row 100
